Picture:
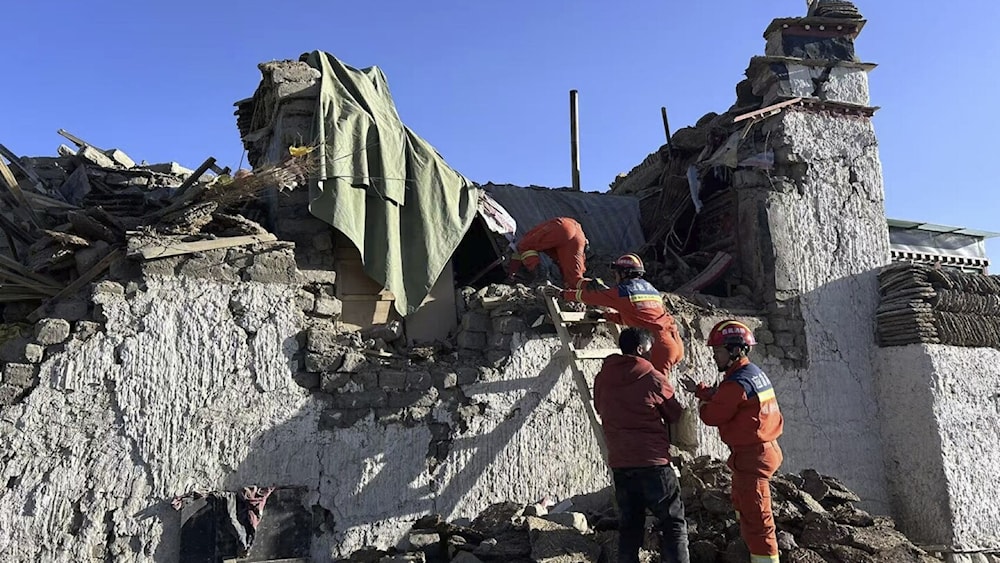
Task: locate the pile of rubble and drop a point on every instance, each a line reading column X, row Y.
column 922, row 304
column 67, row 219
column 815, row 515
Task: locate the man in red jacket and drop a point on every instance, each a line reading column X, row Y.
column 635, row 402
column 746, row 411
column 562, row 239
column 636, row 303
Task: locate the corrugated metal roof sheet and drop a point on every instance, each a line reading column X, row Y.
column 611, row 222
column 931, row 227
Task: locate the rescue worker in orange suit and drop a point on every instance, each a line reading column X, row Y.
column 636, row 303
column 745, row 409
column 636, row 402
column 562, row 239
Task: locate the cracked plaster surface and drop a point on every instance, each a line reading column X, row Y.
column 829, row 237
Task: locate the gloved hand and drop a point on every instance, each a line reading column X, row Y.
column 550, row 290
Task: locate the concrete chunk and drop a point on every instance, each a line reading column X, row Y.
column 95, row 157
column 120, row 157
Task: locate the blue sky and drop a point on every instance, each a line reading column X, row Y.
column 487, row 82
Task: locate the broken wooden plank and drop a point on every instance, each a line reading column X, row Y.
column 92, row 229
column 76, row 140
column 209, row 162
column 10, row 278
column 71, row 289
column 7, row 176
column 67, row 239
column 12, row 186
column 44, row 201
column 220, row 171
column 13, row 228
column 716, row 268
column 23, row 270
column 154, row 251
column 768, row 111
column 26, row 170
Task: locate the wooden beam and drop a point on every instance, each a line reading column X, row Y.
column 11, row 183
column 209, row 162
column 24, row 271
column 77, row 140
column 153, row 251
column 768, row 111
column 71, row 289
column 27, row 171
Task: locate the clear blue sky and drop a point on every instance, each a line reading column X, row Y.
column 487, row 82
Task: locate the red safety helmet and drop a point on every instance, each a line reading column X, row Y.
column 731, row 333
column 629, row 263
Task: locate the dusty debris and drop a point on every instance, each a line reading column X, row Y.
column 815, row 515
column 91, row 200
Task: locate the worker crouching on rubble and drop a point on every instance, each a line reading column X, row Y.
column 745, row 409
column 636, row 303
column 562, row 239
column 636, row 402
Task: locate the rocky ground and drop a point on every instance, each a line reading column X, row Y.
column 816, row 516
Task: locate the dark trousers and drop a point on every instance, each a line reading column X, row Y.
column 655, row 488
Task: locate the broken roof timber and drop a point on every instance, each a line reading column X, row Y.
column 812, row 103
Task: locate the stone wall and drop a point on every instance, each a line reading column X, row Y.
column 199, row 384
column 941, row 411
column 816, row 235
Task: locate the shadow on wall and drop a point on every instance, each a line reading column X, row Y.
column 829, row 405
column 375, row 476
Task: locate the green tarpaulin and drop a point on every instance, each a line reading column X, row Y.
column 384, row 187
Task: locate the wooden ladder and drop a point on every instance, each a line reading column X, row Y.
column 562, row 321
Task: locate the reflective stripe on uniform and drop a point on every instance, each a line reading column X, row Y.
column 529, row 254
column 763, row 558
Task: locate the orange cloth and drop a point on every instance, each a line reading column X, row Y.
column 637, row 303
column 745, row 409
column 562, row 239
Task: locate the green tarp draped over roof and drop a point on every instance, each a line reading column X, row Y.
column 384, row 187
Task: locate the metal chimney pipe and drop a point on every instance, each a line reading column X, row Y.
column 574, row 137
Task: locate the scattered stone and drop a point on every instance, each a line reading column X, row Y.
column 552, row 542
column 33, row 353
column 51, row 331
column 535, row 510
column 95, row 157
column 328, row 307
column 574, row 520
column 120, row 158
column 20, row 375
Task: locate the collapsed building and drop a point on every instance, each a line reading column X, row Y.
column 324, row 339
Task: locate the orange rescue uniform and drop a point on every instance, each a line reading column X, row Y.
column 562, row 239
column 746, row 411
column 637, row 303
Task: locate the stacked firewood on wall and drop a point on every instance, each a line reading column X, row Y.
column 65, row 220
column 925, row 304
